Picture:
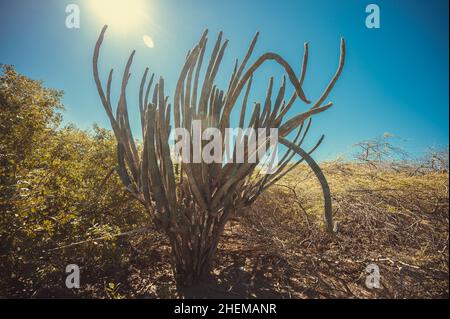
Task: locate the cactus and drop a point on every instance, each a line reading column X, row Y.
column 192, row 202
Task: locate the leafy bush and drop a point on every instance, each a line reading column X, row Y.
column 58, row 187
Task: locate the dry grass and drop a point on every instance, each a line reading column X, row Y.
column 396, row 219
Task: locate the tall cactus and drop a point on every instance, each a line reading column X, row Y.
column 192, row 202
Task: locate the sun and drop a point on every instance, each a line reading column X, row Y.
column 121, row 15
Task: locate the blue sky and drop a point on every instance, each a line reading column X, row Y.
column 395, row 78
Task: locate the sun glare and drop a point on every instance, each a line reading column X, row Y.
column 121, row 15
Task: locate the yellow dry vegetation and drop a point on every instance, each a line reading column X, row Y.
column 394, row 216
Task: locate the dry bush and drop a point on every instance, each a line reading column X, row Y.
column 394, row 219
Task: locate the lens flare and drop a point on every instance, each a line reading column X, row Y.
column 148, row 41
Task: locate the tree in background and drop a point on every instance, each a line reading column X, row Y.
column 50, row 182
column 28, row 117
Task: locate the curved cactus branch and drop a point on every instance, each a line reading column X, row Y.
column 328, row 212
